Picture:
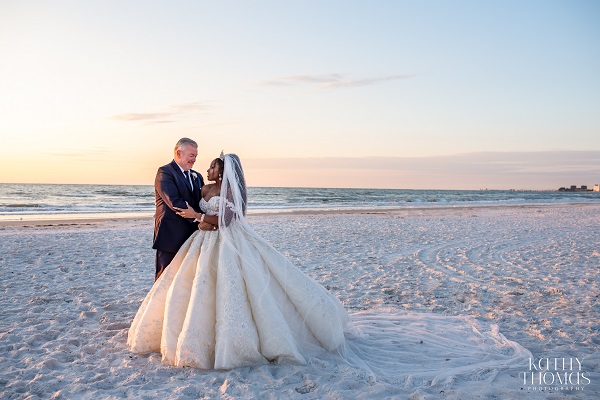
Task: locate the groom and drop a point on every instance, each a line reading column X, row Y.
column 175, row 185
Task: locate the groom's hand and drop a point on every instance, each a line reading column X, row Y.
column 186, row 212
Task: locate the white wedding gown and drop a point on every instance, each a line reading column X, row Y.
column 229, row 303
column 230, row 299
column 218, row 306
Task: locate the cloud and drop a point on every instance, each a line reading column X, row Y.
column 165, row 116
column 193, row 106
column 509, row 162
column 330, row 81
column 97, row 151
column 162, row 122
column 140, row 116
column 497, row 170
column 65, row 154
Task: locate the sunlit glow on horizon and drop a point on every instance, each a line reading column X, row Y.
column 423, row 92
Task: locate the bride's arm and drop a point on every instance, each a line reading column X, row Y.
column 205, row 226
column 212, row 219
column 206, row 222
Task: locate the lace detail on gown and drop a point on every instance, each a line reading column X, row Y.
column 210, row 207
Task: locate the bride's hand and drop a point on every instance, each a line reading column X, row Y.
column 186, row 212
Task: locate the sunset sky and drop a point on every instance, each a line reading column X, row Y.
column 396, row 94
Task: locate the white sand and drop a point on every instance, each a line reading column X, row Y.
column 70, row 291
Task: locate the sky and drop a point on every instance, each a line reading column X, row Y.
column 380, row 94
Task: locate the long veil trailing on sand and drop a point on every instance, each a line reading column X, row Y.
column 399, row 348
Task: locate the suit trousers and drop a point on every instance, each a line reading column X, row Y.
column 163, row 259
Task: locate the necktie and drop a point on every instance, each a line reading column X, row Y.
column 188, row 180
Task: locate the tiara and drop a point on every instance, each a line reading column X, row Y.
column 222, row 156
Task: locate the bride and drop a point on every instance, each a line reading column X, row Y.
column 229, row 298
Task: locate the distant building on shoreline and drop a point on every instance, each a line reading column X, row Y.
column 583, row 188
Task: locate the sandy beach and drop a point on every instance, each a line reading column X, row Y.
column 70, row 289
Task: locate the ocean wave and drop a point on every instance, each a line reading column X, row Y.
column 70, row 194
column 21, row 205
column 61, row 199
column 118, row 193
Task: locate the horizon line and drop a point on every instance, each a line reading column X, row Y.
column 316, row 187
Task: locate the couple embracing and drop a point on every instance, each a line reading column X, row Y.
column 223, row 296
column 177, row 187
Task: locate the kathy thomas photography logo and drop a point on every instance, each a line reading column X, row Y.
column 558, row 374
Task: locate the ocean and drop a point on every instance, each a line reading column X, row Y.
column 40, row 201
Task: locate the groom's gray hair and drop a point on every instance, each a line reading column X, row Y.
column 184, row 142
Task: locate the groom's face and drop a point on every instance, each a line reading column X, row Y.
column 187, row 156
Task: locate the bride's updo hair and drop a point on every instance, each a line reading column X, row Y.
column 221, row 164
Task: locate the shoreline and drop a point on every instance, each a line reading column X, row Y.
column 94, row 219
